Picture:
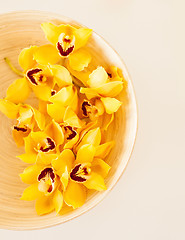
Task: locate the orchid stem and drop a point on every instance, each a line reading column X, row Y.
column 14, row 69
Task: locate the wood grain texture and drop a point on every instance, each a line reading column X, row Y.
column 19, row 30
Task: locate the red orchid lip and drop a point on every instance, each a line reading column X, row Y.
column 84, row 109
column 51, row 145
column 64, row 53
column 46, row 171
column 22, row 129
column 72, row 134
column 74, row 174
column 30, row 75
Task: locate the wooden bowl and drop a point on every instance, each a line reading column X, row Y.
column 19, row 30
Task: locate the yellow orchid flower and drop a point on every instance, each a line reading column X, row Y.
column 84, row 172
column 44, row 188
column 101, row 85
column 42, row 75
column 28, row 118
column 31, row 57
column 58, row 103
column 42, row 142
column 70, row 42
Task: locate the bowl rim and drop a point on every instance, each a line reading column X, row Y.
column 58, row 17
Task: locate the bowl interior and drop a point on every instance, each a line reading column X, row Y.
column 19, row 30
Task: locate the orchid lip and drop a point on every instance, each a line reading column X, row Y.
column 22, row 129
column 85, row 104
column 30, row 75
column 64, row 53
column 79, row 173
column 49, row 146
column 46, row 174
column 72, row 134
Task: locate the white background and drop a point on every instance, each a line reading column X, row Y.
column 149, row 200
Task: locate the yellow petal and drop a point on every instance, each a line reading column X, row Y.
column 83, row 76
column 30, row 174
column 116, row 73
column 70, row 144
column 37, row 137
column 57, row 201
column 85, row 154
column 61, row 76
column 25, row 115
column 64, row 179
column 39, row 118
column 19, row 136
column 100, row 167
column 45, row 159
column 107, row 120
column 96, row 182
column 44, row 204
column 71, row 119
column 98, row 104
column 80, row 59
column 89, row 92
column 75, row 195
column 82, row 35
column 111, row 104
column 46, row 54
column 63, row 96
column 28, row 158
column 31, row 193
column 26, row 60
column 92, row 137
column 18, row 91
column 56, row 111
column 98, row 77
column 54, row 131
column 42, row 107
column 29, row 145
column 104, row 149
column 65, row 159
column 8, row 108
column 111, row 89
column 42, row 92
column 51, row 31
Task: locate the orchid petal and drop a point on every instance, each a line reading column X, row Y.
column 80, row 59
column 46, row 54
column 56, row 111
column 31, row 193
column 92, row 137
column 75, row 195
column 9, row 109
column 55, row 132
column 51, row 31
column 26, row 60
column 44, row 204
column 85, row 153
column 95, row 181
column 61, row 76
column 57, row 201
column 82, row 35
column 18, row 91
column 98, row 77
column 104, row 149
column 111, row 104
column 100, row 167
column 71, row 119
column 28, row 158
column 30, row 174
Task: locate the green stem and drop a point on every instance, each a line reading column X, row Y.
column 14, row 69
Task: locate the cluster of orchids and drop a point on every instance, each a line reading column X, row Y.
column 64, row 136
